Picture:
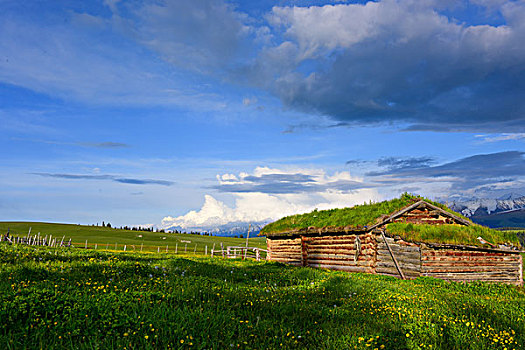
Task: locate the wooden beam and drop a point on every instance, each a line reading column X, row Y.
column 392, row 254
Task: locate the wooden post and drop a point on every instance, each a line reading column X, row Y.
column 107, row 246
column 195, row 250
column 86, row 244
column 176, row 247
column 141, row 246
column 257, row 254
column 185, row 247
column 124, row 247
column 158, row 249
column 247, row 237
column 222, row 250
column 115, row 246
column 392, row 254
column 166, row 248
column 62, row 242
column 96, row 246
column 206, row 250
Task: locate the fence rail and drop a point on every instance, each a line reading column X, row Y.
column 230, row 252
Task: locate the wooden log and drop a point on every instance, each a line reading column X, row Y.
column 473, row 269
column 317, row 262
column 346, row 268
column 404, row 266
column 393, row 272
column 433, row 264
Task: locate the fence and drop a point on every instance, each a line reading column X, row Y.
column 231, row 252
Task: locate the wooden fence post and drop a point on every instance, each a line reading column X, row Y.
column 166, row 248
column 195, row 250
column 222, row 250
column 185, row 247
column 86, row 245
column 176, row 247
column 141, row 247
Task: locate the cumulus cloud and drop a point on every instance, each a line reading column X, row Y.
column 406, row 62
column 267, row 202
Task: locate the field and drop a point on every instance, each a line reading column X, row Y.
column 107, row 237
column 76, row 298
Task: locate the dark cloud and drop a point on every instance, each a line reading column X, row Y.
column 400, row 63
column 480, row 171
column 107, row 177
column 285, row 183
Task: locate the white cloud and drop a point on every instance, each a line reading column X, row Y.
column 264, row 207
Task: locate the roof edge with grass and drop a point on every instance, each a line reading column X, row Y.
column 359, row 217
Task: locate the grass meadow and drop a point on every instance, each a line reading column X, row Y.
column 59, row 298
column 116, row 239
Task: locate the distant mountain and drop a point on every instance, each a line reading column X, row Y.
column 228, row 230
column 506, row 211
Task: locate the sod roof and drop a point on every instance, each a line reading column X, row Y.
column 357, row 217
column 367, row 216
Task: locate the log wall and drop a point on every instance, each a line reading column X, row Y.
column 341, row 252
column 465, row 265
column 285, row 250
column 367, row 252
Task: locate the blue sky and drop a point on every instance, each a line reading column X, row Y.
column 200, row 113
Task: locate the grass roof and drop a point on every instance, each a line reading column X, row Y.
column 357, row 216
column 452, row 234
column 366, row 215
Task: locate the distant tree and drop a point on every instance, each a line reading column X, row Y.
column 108, row 225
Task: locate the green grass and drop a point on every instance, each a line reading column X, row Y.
column 464, row 235
column 84, row 299
column 107, row 237
column 357, row 216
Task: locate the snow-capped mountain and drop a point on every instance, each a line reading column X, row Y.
column 486, row 206
column 230, row 229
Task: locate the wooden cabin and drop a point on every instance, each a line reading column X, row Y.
column 374, row 249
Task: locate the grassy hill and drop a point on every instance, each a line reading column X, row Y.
column 85, row 299
column 107, row 237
